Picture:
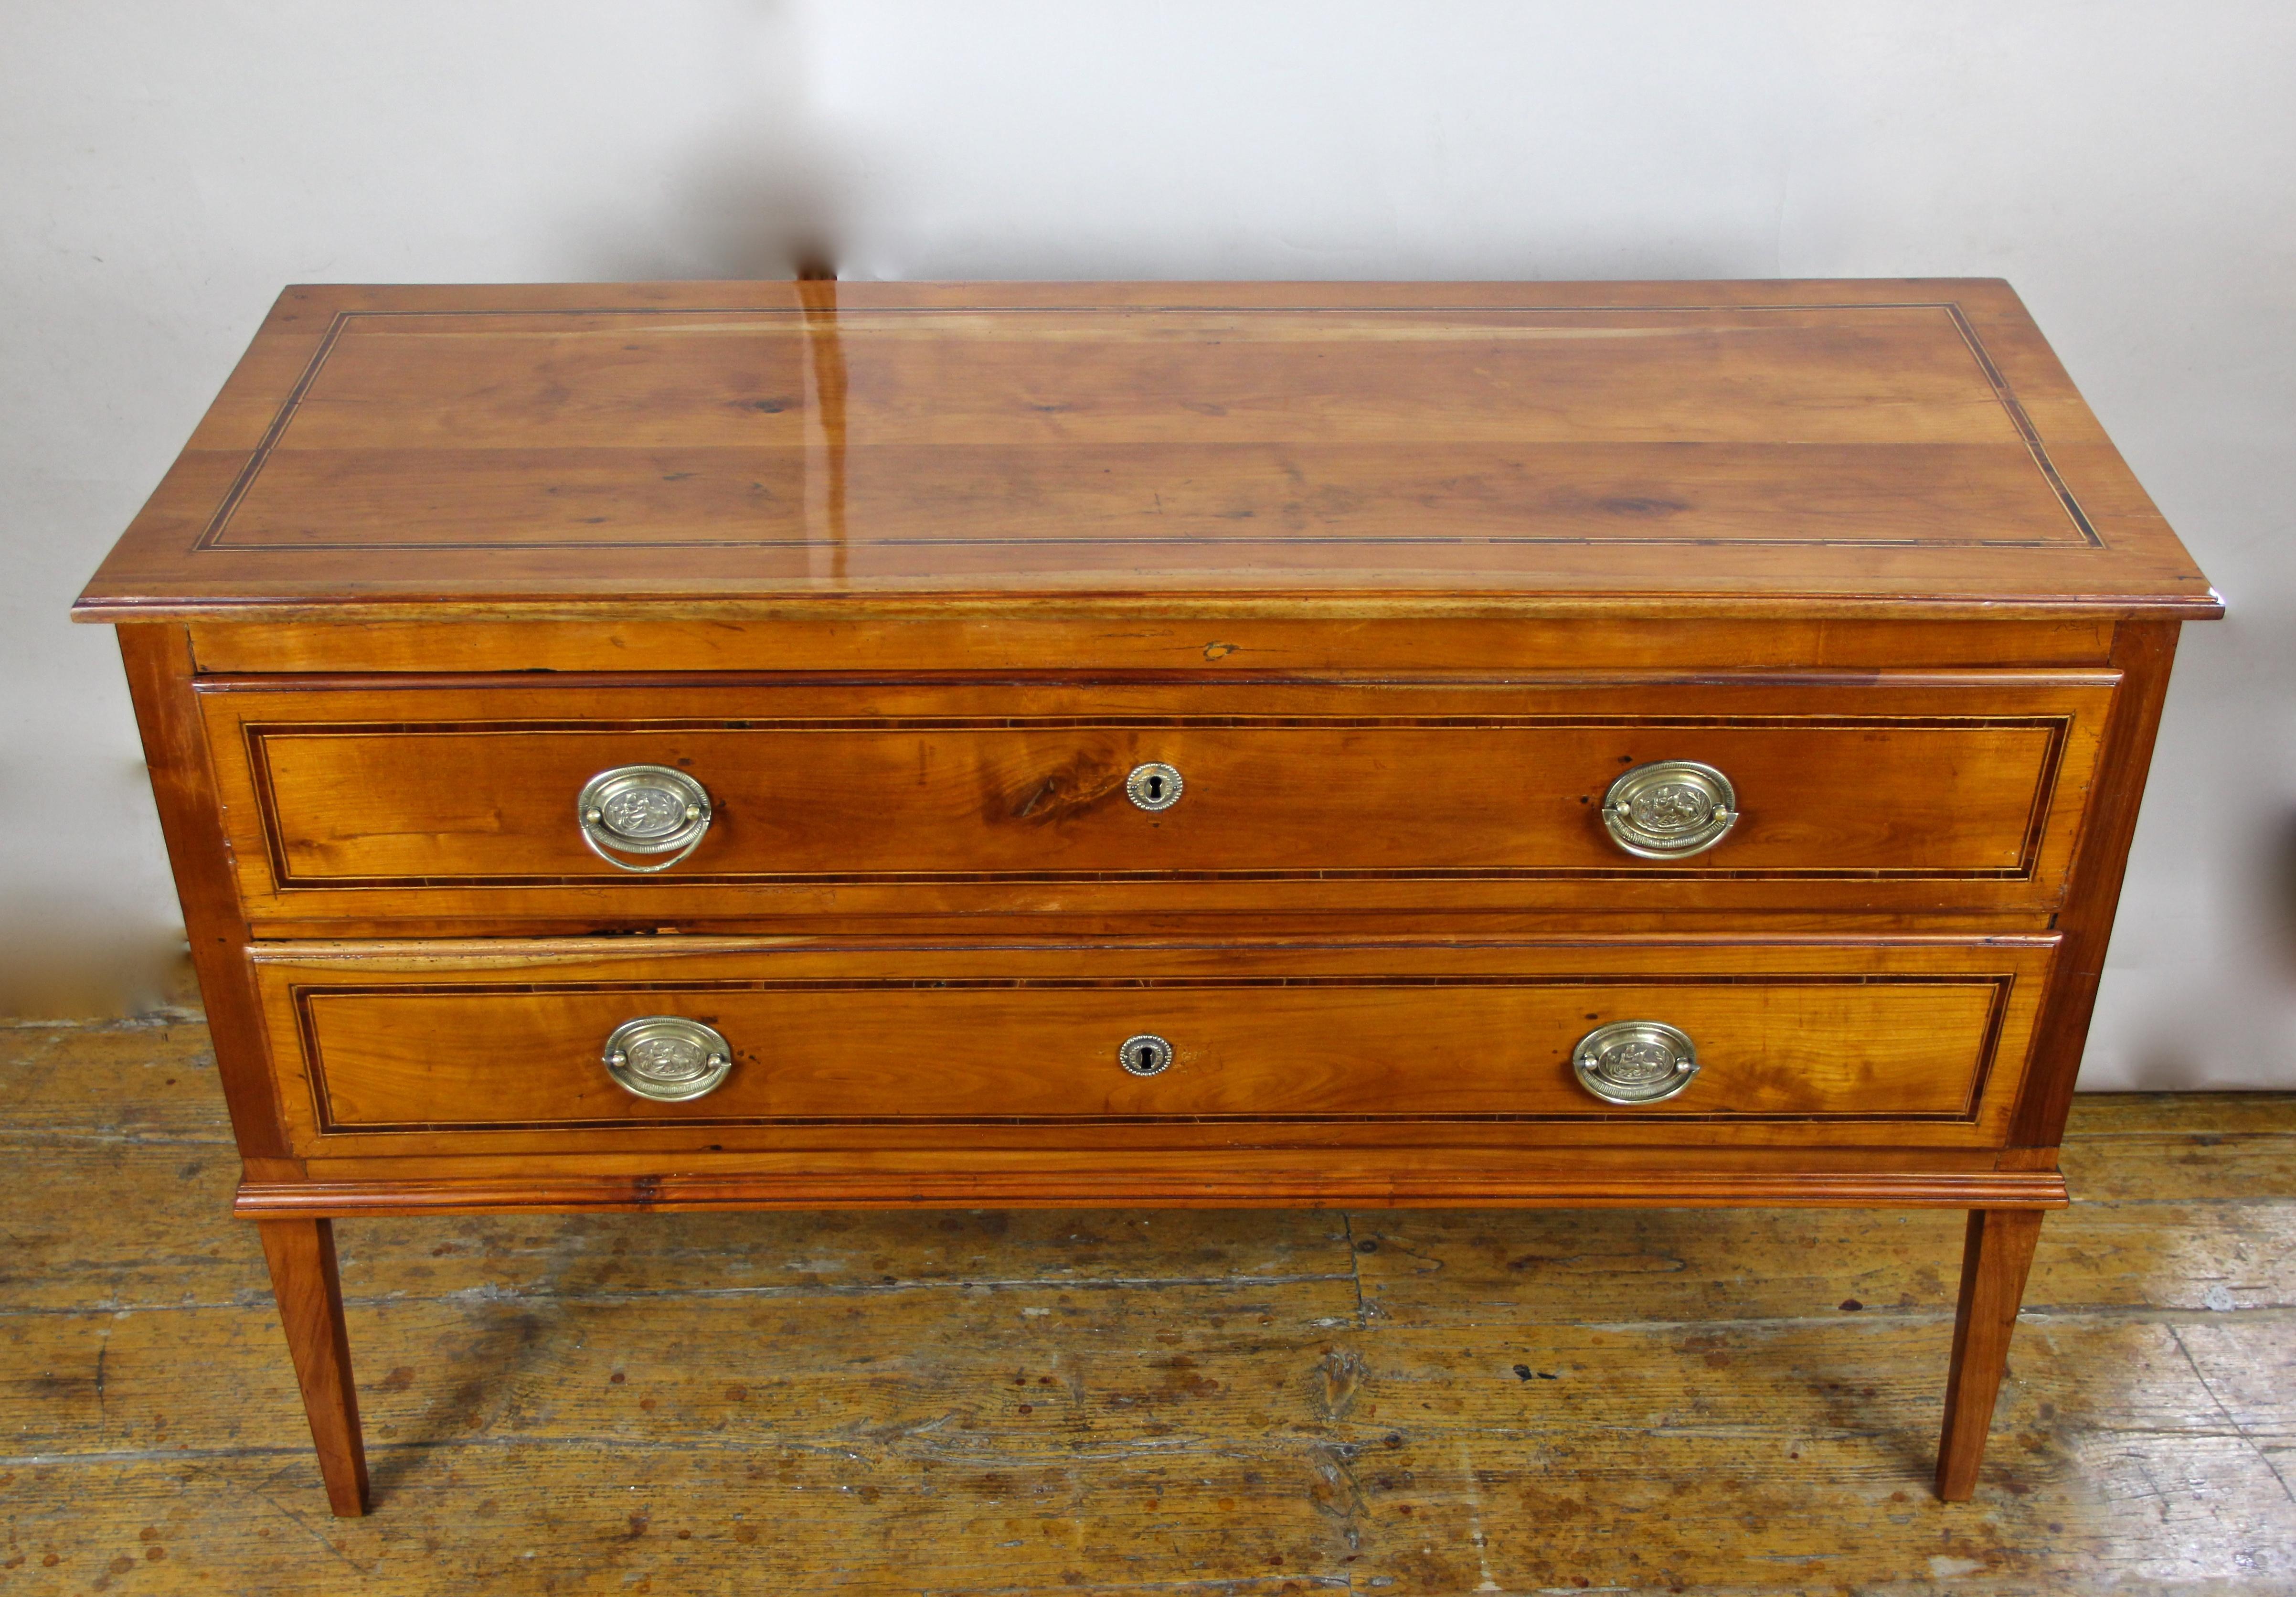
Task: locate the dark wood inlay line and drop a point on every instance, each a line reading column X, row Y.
column 306, row 1025
column 212, row 537
column 2024, row 425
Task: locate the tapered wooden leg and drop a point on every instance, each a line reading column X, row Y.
column 302, row 1256
column 1994, row 1261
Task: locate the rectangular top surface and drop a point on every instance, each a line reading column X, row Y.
column 779, row 447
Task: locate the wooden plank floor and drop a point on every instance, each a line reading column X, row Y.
column 1107, row 1401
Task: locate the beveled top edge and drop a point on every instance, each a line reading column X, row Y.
column 301, row 302
column 1164, row 605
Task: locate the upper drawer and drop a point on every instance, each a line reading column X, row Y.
column 451, row 798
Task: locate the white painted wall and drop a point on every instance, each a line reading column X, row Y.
column 2131, row 166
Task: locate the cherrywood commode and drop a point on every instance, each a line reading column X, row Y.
column 1502, row 743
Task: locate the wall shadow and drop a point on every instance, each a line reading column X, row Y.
column 763, row 196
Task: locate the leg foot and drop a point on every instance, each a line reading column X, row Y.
column 1994, row 1261
column 302, row 1257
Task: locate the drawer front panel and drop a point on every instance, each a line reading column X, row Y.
column 483, row 1050
column 436, row 801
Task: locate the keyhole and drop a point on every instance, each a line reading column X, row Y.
column 1155, row 787
column 1146, row 1054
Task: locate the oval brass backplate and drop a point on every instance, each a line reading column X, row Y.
column 1670, row 810
column 643, row 809
column 1634, row 1061
column 667, row 1058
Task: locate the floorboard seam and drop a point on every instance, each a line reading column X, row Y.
column 1355, row 1269
column 1172, row 1448
column 259, row 1301
column 161, row 1021
column 2239, row 1429
column 23, row 1138
column 865, row 1439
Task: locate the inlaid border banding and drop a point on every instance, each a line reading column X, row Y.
column 212, row 538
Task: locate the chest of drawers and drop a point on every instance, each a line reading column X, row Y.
column 736, row 745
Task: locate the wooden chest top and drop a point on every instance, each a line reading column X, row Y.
column 1856, row 448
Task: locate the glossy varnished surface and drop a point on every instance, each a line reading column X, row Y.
column 442, row 797
column 1523, row 447
column 910, row 576
column 308, row 1288
column 493, row 1047
column 1049, row 640
column 1129, row 1403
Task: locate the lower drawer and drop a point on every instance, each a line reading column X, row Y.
column 489, row 1047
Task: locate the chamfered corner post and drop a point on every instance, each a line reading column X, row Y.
column 301, row 1254
column 1994, row 1260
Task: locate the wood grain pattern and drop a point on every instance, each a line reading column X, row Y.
column 1244, row 1178
column 834, row 1402
column 159, row 666
column 1997, row 1255
column 2146, row 653
column 488, row 1047
column 1542, row 446
column 1312, row 1165
column 1400, row 576
column 487, row 1058
column 309, row 1290
column 1856, row 792
column 1141, row 637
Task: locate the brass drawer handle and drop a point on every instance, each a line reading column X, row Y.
column 1153, row 786
column 1634, row 1061
column 1670, row 810
column 1146, row 1054
column 643, row 809
column 667, row 1058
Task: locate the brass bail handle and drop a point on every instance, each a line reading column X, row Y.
column 643, row 809
column 1670, row 809
column 1634, row 1061
column 667, row 1058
